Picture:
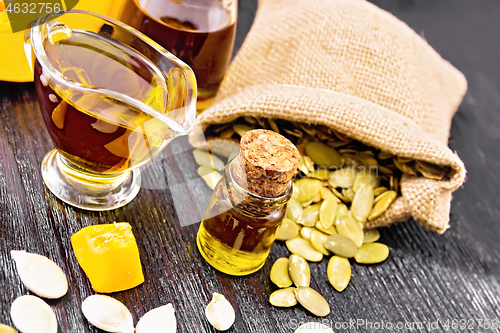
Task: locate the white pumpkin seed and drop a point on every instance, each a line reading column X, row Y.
column 209, row 160
column 31, row 314
column 161, row 319
column 313, row 327
column 367, row 178
column 40, row 274
column 327, row 194
column 220, row 312
column 108, row 314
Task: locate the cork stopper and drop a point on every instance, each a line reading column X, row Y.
column 266, row 163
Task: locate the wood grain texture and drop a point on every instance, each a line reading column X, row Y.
column 427, row 277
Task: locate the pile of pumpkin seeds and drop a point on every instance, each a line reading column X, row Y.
column 340, row 184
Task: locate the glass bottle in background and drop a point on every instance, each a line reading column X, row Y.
column 199, row 32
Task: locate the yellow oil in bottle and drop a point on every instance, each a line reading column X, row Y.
column 237, row 239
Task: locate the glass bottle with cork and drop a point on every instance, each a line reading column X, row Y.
column 248, row 204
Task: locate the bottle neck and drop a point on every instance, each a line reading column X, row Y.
column 250, row 203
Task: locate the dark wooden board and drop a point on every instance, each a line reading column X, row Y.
column 427, row 277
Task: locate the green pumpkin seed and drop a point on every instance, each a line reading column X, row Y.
column 318, row 240
column 352, row 161
column 381, row 205
column 241, row 129
column 372, row 253
column 295, row 191
column 323, row 155
column 366, row 178
column 343, row 177
column 299, row 271
column 227, row 134
column 327, row 194
column 293, row 210
column 339, row 272
column 341, row 246
column 283, row 298
column 212, row 179
column 317, row 198
column 287, row 230
column 329, row 231
column 308, row 188
column 371, row 236
column 405, row 168
column 304, row 249
column 302, row 166
column 307, row 203
column 378, row 191
column 363, row 202
column 327, row 212
column 348, row 227
column 368, row 161
column 429, row 170
column 309, row 163
column 273, row 125
column 340, row 195
column 313, row 327
column 279, row 273
column 322, row 174
column 206, row 159
column 341, row 211
column 384, row 155
column 312, row 301
column 310, row 215
column 385, row 170
column 305, row 232
column 348, row 193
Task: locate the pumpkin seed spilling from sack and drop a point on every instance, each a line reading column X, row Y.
column 372, row 253
column 283, row 298
column 299, row 271
column 279, row 273
column 312, row 301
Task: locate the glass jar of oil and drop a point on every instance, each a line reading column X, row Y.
column 249, row 203
column 239, row 227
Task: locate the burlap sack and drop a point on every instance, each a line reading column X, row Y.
column 353, row 67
